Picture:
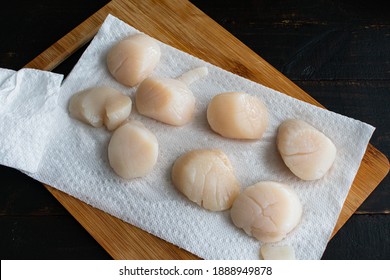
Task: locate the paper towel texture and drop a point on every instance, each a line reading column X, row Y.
column 75, row 159
column 28, row 99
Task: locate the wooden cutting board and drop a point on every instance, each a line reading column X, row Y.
column 181, row 25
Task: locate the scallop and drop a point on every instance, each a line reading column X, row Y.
column 133, row 59
column 307, row 152
column 272, row 252
column 100, row 106
column 267, row 211
column 169, row 100
column 207, row 178
column 237, row 115
column 132, row 150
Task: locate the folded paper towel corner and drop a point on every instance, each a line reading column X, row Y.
column 28, row 100
column 44, row 142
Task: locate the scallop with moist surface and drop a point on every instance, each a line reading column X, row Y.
column 237, row 115
column 207, row 178
column 168, row 100
column 100, row 105
column 132, row 150
column 307, row 152
column 267, row 211
column 165, row 100
column 271, row 252
column 133, row 59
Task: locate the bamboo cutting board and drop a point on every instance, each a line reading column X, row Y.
column 177, row 23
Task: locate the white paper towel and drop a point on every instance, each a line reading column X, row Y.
column 75, row 159
column 28, row 99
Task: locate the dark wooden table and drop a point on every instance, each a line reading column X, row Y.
column 337, row 51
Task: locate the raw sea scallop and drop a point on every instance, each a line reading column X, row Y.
column 100, row 105
column 307, row 152
column 169, row 100
column 133, row 59
column 237, row 115
column 132, row 150
column 271, row 252
column 207, row 178
column 267, row 211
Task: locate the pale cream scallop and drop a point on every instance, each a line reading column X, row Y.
column 237, row 115
column 273, row 252
column 307, row 152
column 117, row 110
column 168, row 100
column 133, row 59
column 207, row 178
column 132, row 150
column 267, row 211
column 100, row 105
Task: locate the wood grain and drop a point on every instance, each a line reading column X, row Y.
column 177, row 23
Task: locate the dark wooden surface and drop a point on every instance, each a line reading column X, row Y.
column 337, row 51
